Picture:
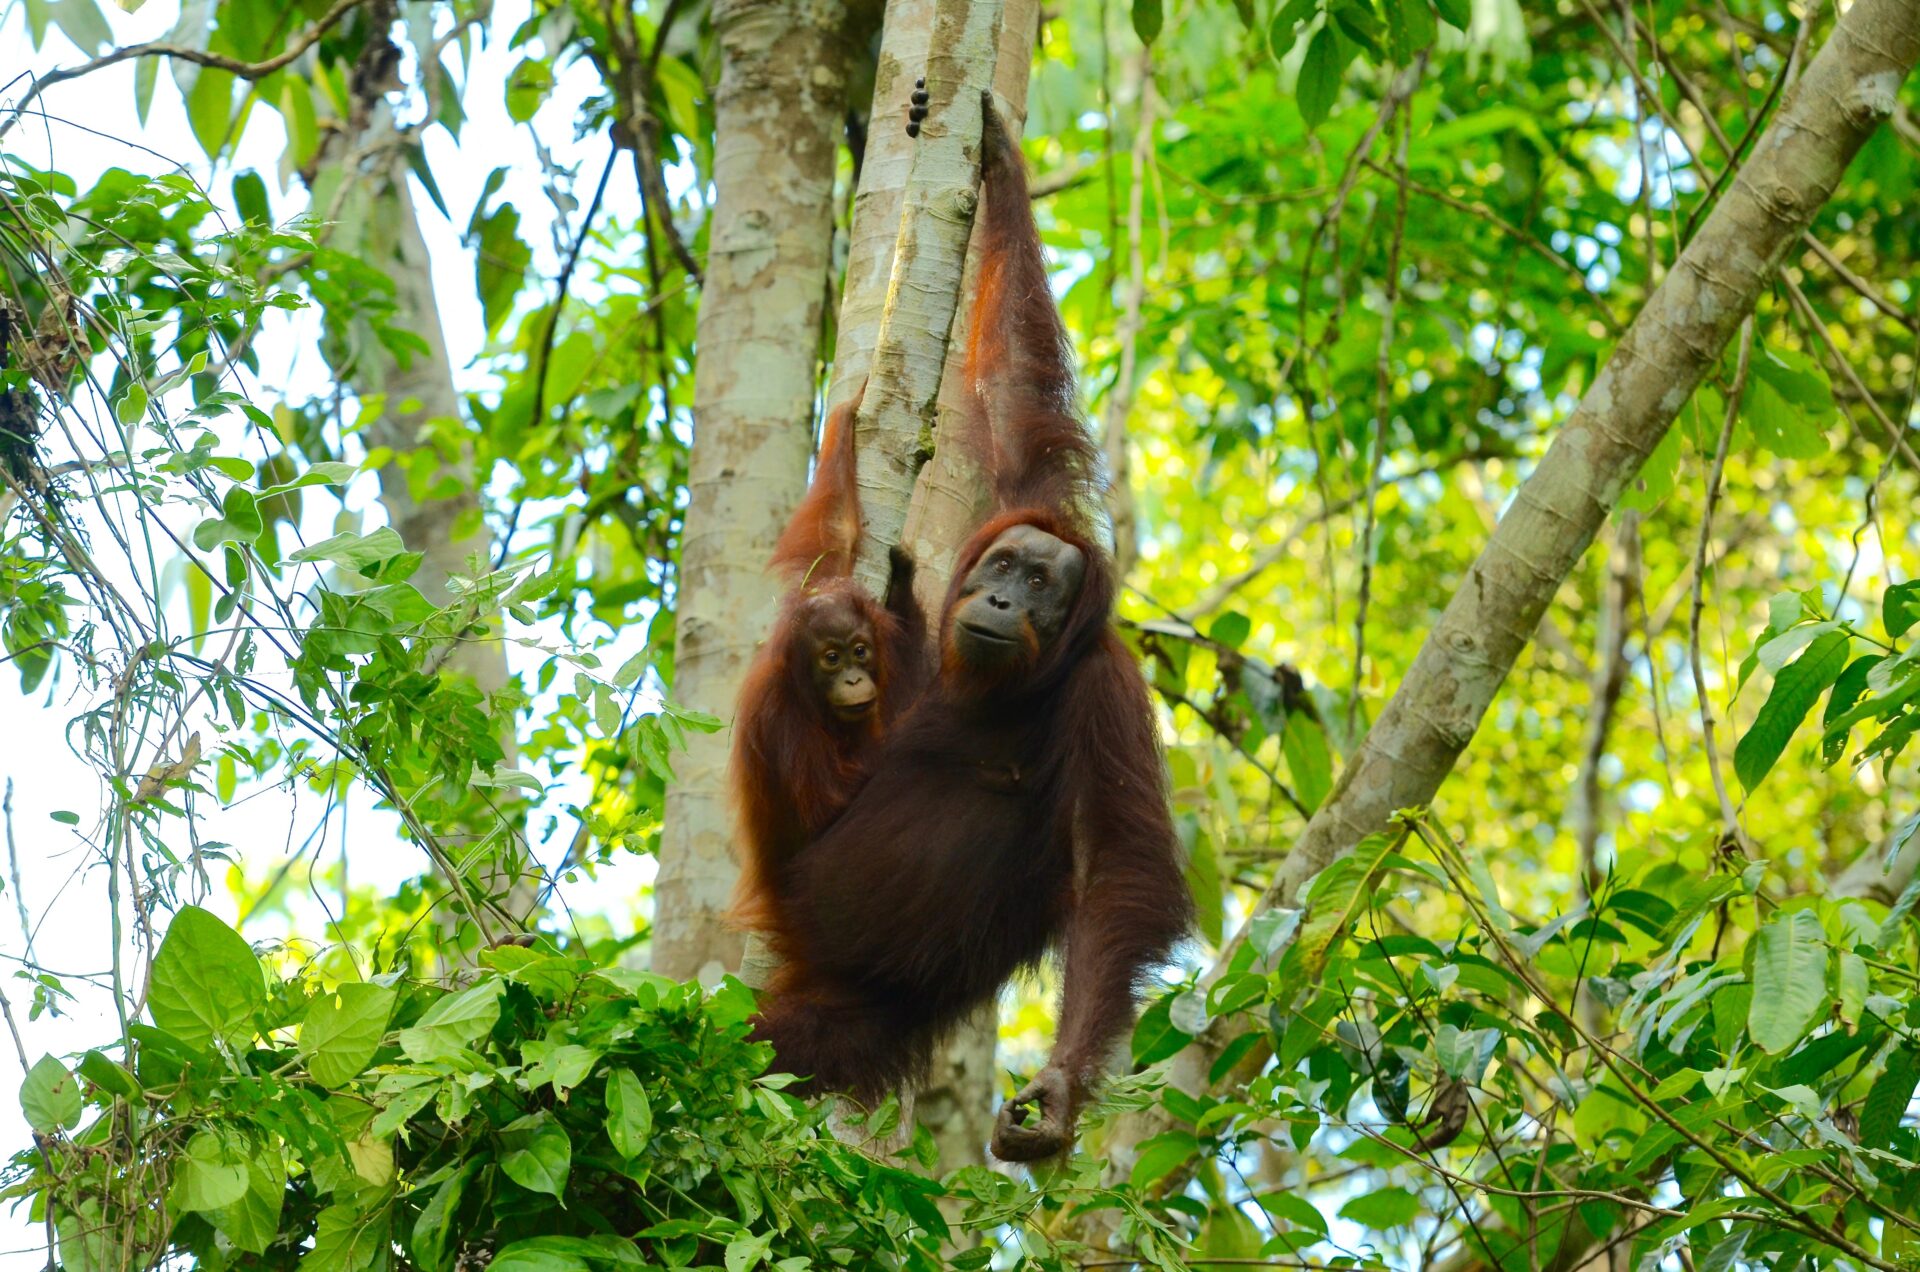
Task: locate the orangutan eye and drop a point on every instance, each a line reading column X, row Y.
column 860, row 652
column 1003, row 565
column 1038, row 580
column 831, row 658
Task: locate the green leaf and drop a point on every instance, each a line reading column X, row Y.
column 1789, row 981
column 82, row 23
column 1382, row 1209
column 1286, row 25
column 629, row 1116
column 253, row 1222
column 1900, row 608
column 239, row 519
column 1457, row 14
column 453, row 1023
column 1155, row 1038
column 343, row 1030
column 1320, row 73
column 538, row 1155
column 210, row 109
column 527, row 89
column 435, row 1224
column 1780, row 424
column 1795, row 690
column 206, row 981
column 358, row 552
column 1888, row 1097
column 50, row 1097
column 109, row 1076
column 1846, row 692
column 1230, row 629
column 500, row 264
column 132, row 406
column 325, row 474
column 347, row 1239
column 748, row 1251
column 1159, row 1155
column 1147, row 19
column 210, row 1175
column 1309, row 760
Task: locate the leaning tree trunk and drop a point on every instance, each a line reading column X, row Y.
column 1847, row 91
column 778, row 114
column 928, row 503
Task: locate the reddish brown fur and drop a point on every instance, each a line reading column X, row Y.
column 1003, row 816
column 794, row 765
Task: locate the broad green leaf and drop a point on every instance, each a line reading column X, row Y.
column 206, row 981
column 50, row 1097
column 239, row 520
column 1464, row 1053
column 1846, row 692
column 211, row 1174
column 1147, row 20
column 1230, row 629
column 1779, row 651
column 210, row 109
column 132, row 406
column 454, row 1023
column 1155, row 1038
column 1900, row 608
column 109, row 1075
column 1382, row 1208
column 1795, row 690
column 431, row 1244
column 358, row 552
column 1285, row 28
column 1160, row 1155
column 1320, row 73
column 527, row 88
column 1781, row 425
column 1293, row 1210
column 747, row 1252
column 347, row 1239
column 538, row 1153
column 253, row 1221
column 1457, row 14
column 629, row 1116
column 343, row 1030
column 1888, row 1097
column 1309, row 760
column 325, row 474
column 1789, row 981
column 81, row 22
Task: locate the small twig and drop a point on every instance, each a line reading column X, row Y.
column 13, row 869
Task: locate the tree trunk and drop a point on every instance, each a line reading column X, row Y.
column 778, row 112
column 449, row 532
column 1849, row 88
column 929, row 510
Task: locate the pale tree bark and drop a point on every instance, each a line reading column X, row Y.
column 778, row 113
column 928, row 503
column 1846, row 92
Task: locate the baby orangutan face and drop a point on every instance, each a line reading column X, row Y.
column 840, row 652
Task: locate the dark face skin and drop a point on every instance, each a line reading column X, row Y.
column 1015, row 601
column 840, row 656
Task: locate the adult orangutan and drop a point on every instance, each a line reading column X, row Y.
column 1022, row 801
